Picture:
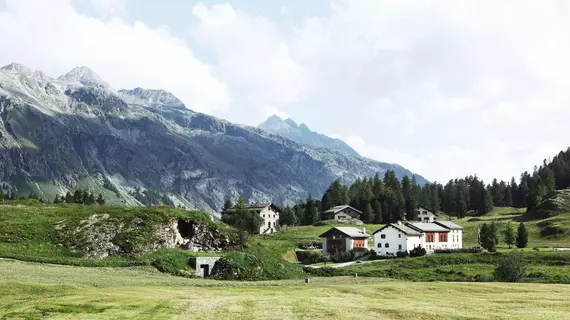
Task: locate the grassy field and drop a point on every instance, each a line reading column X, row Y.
column 34, row 291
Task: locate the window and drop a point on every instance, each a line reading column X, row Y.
column 382, row 236
column 387, row 245
column 269, row 224
column 443, row 237
column 430, row 237
column 399, row 235
column 399, row 247
column 264, row 216
column 379, row 245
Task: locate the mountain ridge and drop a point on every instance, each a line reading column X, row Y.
column 302, row 134
column 56, row 137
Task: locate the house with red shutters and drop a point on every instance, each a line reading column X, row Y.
column 431, row 236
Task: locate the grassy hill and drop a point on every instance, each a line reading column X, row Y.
column 31, row 231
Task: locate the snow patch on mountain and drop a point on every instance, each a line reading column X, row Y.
column 83, row 76
column 150, row 98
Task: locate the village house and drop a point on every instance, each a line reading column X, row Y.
column 341, row 212
column 431, row 236
column 269, row 213
column 344, row 239
column 424, row 215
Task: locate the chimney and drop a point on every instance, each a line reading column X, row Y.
column 399, row 222
column 363, row 230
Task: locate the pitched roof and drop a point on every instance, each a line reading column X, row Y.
column 340, row 208
column 427, row 227
column 449, row 225
column 422, row 208
column 405, row 229
column 349, row 231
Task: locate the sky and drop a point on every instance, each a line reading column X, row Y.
column 444, row 88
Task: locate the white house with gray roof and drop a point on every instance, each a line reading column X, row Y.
column 431, row 236
column 341, row 212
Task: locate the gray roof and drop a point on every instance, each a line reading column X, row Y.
column 427, row 227
column 340, row 208
column 405, row 229
column 349, row 231
column 449, row 225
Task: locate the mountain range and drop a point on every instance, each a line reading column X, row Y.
column 76, row 131
column 302, row 134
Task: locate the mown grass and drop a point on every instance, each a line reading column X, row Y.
column 40, row 291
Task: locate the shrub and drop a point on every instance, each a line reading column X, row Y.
column 310, row 257
column 311, row 244
column 342, row 256
column 536, row 275
column 237, row 266
column 402, row 254
column 462, row 250
column 511, row 268
column 322, row 272
column 418, row 252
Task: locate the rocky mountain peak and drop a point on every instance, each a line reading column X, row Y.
column 302, row 134
column 150, row 97
column 84, row 76
column 15, row 68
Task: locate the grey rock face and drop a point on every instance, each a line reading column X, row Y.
column 90, row 137
column 302, row 134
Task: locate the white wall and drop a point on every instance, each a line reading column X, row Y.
column 397, row 240
column 456, row 239
column 270, row 220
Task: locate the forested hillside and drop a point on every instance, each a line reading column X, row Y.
column 389, row 199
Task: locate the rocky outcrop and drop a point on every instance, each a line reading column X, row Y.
column 102, row 236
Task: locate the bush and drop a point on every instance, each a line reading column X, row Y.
column 342, row 256
column 237, row 266
column 402, row 254
column 418, row 252
column 311, row 245
column 322, row 272
column 511, row 268
column 462, row 250
column 310, row 257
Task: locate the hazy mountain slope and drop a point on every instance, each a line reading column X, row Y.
column 60, row 134
column 302, row 134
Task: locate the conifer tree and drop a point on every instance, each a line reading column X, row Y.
column 367, row 216
column 377, row 209
column 228, row 204
column 509, row 234
column 521, row 240
column 69, row 198
column 311, row 214
column 100, row 199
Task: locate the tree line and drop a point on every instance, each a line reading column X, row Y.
column 389, row 199
column 80, row 196
column 488, row 236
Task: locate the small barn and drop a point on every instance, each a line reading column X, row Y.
column 341, row 212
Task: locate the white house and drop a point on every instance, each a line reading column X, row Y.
column 424, row 215
column 431, row 236
column 395, row 237
column 268, row 212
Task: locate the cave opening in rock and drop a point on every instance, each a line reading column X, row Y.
column 186, row 229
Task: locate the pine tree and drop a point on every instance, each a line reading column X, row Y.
column 91, row 198
column 69, row 198
column 508, row 198
column 57, row 199
column 228, row 205
column 487, row 203
column 460, row 200
column 367, row 216
column 100, row 199
column 288, row 217
column 78, row 196
column 487, row 238
column 410, row 199
column 509, row 234
column 311, row 214
column 521, row 240
column 85, row 199
column 377, row 209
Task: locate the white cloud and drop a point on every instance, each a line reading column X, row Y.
column 110, row 7
column 53, row 37
column 252, row 56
